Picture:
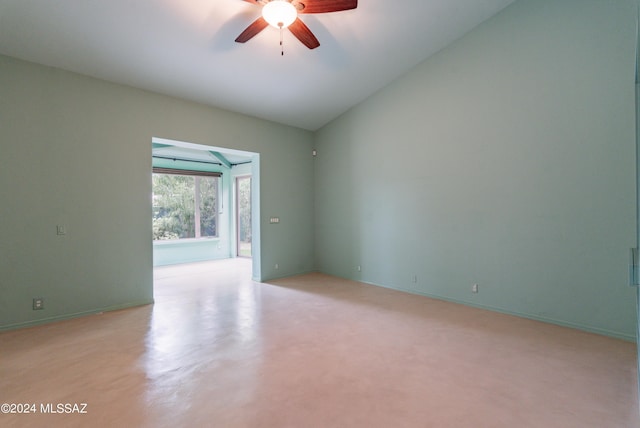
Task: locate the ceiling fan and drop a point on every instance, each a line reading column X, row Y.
column 284, row 14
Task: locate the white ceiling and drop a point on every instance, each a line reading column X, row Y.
column 186, row 49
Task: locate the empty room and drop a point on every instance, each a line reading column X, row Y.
column 319, row 213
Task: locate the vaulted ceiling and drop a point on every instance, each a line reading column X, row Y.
column 186, row 49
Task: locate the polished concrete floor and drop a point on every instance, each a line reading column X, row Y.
column 218, row 350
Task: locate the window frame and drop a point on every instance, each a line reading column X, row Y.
column 194, row 173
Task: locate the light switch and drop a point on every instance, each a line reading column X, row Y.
column 61, row 229
column 274, row 220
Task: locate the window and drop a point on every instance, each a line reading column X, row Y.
column 185, row 204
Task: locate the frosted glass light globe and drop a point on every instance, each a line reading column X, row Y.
column 279, row 13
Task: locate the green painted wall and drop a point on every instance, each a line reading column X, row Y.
column 77, row 151
column 189, row 251
column 507, row 160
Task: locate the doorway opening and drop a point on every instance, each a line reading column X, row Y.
column 243, row 216
column 226, row 208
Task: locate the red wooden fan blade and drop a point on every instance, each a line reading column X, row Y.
column 253, row 29
column 303, row 34
column 324, row 6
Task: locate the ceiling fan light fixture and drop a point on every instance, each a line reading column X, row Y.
column 279, row 13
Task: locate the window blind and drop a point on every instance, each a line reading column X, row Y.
column 157, row 170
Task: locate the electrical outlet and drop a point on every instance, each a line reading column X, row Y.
column 38, row 303
column 414, row 279
column 474, row 288
column 277, row 266
column 358, row 268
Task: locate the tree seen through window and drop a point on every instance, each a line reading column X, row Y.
column 184, row 206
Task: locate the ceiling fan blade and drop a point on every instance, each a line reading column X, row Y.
column 302, row 33
column 253, row 29
column 324, row 6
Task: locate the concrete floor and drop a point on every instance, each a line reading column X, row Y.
column 218, row 350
